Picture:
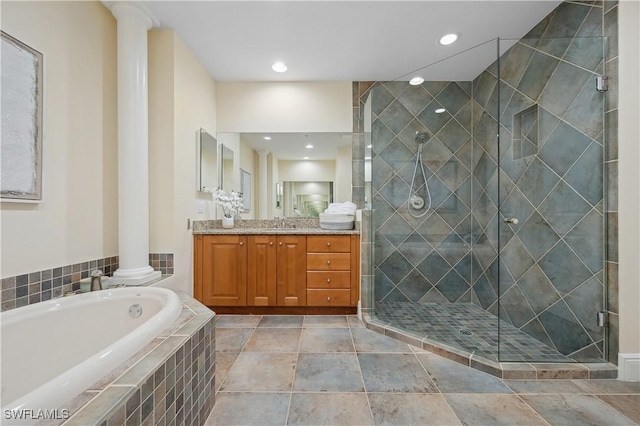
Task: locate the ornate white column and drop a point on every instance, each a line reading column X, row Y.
column 262, row 184
column 133, row 145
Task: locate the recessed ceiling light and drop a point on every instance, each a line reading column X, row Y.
column 415, row 81
column 440, row 110
column 267, row 138
column 308, row 146
column 448, row 39
column 279, row 67
column 305, row 158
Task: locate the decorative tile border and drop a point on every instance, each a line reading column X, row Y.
column 162, row 262
column 48, row 284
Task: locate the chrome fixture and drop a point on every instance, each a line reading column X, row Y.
column 512, row 220
column 415, row 201
column 96, row 280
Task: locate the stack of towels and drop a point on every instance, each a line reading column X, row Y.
column 338, row 216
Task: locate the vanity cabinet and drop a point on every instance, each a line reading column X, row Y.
column 221, row 270
column 276, row 271
column 332, row 270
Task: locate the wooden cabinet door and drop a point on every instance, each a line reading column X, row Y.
column 261, row 270
column 291, row 275
column 223, row 270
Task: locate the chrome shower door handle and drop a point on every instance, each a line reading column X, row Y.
column 511, row 220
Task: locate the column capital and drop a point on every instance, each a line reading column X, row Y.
column 133, row 9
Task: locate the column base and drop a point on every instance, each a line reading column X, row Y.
column 134, row 277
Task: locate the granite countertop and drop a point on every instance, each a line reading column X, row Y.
column 269, row 227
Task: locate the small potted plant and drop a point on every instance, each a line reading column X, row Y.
column 231, row 202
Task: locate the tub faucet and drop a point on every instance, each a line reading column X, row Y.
column 96, row 280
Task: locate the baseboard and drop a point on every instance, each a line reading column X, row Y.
column 629, row 367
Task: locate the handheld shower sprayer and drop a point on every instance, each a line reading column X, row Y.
column 415, row 201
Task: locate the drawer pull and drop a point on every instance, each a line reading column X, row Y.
column 328, row 262
column 271, row 243
column 328, row 280
column 328, row 298
column 241, row 243
column 329, row 244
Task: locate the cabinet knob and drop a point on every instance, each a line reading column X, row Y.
column 328, row 280
column 328, row 298
column 328, row 262
column 241, row 243
column 271, row 243
column 329, row 244
column 280, row 243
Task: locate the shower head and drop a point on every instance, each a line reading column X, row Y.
column 422, row 137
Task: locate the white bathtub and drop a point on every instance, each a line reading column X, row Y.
column 54, row 350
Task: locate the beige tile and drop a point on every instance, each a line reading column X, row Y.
column 247, row 408
column 256, row 371
column 235, row 321
column 544, row 387
column 629, row 405
column 411, row 409
column 326, row 321
column 274, row 340
column 232, row 339
column 224, row 361
column 575, row 410
column 326, row 340
column 493, row 409
column 609, row 386
column 329, row 409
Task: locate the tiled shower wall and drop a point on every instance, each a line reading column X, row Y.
column 553, row 238
column 422, row 259
column 552, row 144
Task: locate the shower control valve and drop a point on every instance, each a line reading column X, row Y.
column 512, row 220
column 417, row 202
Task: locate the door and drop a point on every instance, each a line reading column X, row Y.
column 550, row 224
column 291, row 274
column 224, row 270
column 261, row 270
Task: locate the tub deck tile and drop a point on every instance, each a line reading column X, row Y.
column 137, row 374
column 101, row 407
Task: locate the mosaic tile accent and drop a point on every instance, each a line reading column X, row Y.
column 44, row 285
column 171, row 381
column 162, row 262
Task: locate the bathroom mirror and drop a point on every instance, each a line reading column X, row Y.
column 226, row 169
column 207, row 161
column 275, row 158
column 306, row 199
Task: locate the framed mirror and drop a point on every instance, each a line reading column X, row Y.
column 226, row 169
column 207, row 162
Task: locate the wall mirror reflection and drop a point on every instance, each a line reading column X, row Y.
column 306, row 199
column 227, row 169
column 273, row 159
column 207, row 161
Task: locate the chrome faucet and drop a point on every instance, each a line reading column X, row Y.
column 282, row 223
column 96, row 280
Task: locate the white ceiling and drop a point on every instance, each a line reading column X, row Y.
column 345, row 40
column 292, row 146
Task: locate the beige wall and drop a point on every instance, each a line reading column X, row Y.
column 343, row 175
column 285, row 107
column 77, row 221
column 175, row 73
column 629, row 176
column 296, row 170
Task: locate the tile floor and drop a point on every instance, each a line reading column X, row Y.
column 330, row 370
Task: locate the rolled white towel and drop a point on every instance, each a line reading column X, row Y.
column 342, row 208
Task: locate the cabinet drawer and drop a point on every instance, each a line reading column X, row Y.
column 328, row 261
column 328, row 244
column 328, row 279
column 316, row 297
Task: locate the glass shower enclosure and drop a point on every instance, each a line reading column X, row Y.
column 487, row 198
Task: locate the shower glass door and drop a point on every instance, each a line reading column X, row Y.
column 551, row 201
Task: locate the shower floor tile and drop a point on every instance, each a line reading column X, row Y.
column 469, row 327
